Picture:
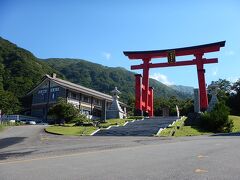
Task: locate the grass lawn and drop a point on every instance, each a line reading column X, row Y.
column 1, row 127
column 195, row 131
column 5, row 125
column 236, row 122
column 70, row 129
column 183, row 130
column 74, row 130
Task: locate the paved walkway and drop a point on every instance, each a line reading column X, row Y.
column 146, row 127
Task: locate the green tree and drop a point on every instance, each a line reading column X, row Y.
column 217, row 120
column 234, row 100
column 63, row 112
column 236, row 86
column 224, row 89
column 186, row 107
column 9, row 104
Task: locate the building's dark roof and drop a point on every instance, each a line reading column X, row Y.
column 80, row 88
column 75, row 87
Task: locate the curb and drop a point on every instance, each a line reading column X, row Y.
column 94, row 132
column 161, row 129
column 125, row 123
column 52, row 132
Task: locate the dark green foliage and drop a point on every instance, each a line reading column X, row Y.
column 131, row 106
column 20, row 71
column 217, row 120
column 229, row 94
column 234, row 100
column 9, row 104
column 224, row 90
column 80, row 120
column 135, row 117
column 63, row 112
column 184, row 106
column 104, row 79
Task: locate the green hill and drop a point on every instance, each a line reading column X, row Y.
column 20, row 71
column 104, row 79
column 184, row 89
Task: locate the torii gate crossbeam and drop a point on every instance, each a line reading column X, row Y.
column 144, row 93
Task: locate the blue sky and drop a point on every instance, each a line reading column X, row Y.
column 100, row 30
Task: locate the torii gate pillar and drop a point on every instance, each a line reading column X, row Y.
column 201, row 82
column 144, row 93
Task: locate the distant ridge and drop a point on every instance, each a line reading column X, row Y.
column 104, row 79
column 20, row 71
column 184, row 89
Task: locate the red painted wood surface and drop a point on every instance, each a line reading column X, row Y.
column 144, row 93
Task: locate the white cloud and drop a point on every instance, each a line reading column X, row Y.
column 215, row 71
column 229, row 53
column 232, row 79
column 162, row 78
column 107, row 55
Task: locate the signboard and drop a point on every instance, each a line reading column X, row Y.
column 171, row 56
column 55, row 89
column 43, row 91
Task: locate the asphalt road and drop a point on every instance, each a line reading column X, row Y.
column 37, row 155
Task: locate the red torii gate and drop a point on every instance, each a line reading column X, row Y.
column 144, row 93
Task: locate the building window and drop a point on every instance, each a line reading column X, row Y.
column 86, row 99
column 96, row 102
column 73, row 95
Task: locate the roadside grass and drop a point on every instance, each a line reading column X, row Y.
column 178, row 129
column 194, row 130
column 236, row 123
column 6, row 124
column 71, row 130
column 1, row 127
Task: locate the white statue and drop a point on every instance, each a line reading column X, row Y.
column 213, row 88
column 115, row 110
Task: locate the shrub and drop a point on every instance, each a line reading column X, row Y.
column 217, row 120
column 80, row 120
column 135, row 117
column 63, row 111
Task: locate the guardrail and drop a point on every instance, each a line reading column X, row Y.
column 19, row 118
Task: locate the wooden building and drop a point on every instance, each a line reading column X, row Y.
column 90, row 102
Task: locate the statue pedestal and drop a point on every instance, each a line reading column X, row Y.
column 115, row 110
column 196, row 101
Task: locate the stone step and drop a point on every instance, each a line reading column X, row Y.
column 146, row 127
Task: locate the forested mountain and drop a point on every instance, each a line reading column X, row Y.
column 20, row 71
column 104, row 79
column 184, row 89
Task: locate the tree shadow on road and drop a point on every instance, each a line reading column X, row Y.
column 227, row 134
column 4, row 156
column 5, row 142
